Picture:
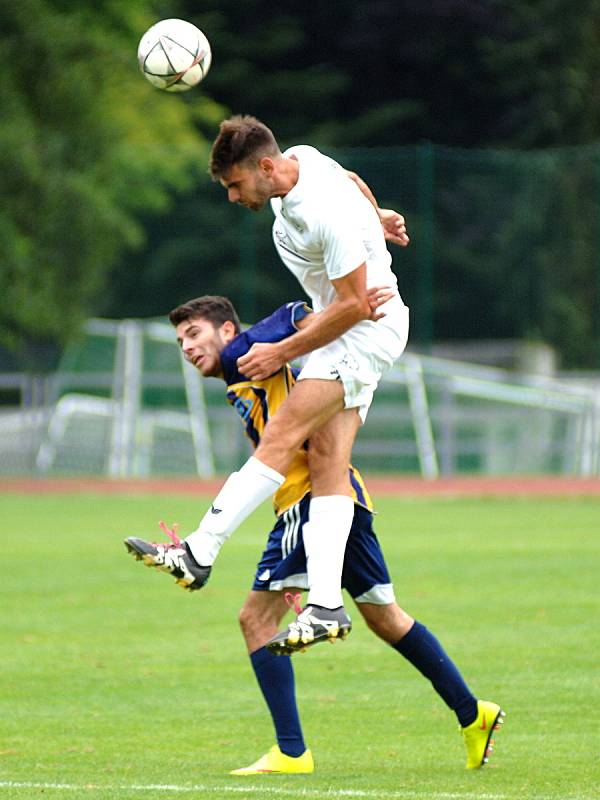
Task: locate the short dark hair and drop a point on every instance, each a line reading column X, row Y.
column 241, row 138
column 212, row 307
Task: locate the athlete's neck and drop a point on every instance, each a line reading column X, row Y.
column 288, row 171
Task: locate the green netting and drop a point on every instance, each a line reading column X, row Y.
column 504, row 244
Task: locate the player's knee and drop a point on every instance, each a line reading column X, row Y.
column 377, row 626
column 248, row 619
column 328, row 477
column 327, row 457
column 279, row 443
column 389, row 622
column 259, row 619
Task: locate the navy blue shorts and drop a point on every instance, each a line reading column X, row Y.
column 283, row 563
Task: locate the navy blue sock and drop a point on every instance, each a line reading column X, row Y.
column 275, row 676
column 424, row 652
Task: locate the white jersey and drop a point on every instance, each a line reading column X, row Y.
column 325, row 228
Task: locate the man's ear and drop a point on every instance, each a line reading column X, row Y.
column 267, row 165
column 227, row 331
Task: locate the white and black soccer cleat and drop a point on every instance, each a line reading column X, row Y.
column 313, row 625
column 173, row 557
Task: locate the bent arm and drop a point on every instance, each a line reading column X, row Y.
column 364, row 189
column 350, row 306
column 393, row 223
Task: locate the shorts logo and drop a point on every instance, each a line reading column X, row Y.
column 214, row 510
column 349, row 361
column 264, row 576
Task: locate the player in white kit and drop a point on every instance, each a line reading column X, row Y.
column 331, row 234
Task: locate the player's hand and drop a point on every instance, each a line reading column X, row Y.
column 260, row 361
column 394, row 226
column 377, row 296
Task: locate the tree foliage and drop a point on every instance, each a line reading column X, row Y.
column 84, row 148
column 106, row 206
column 467, row 73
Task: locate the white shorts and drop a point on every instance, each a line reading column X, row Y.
column 361, row 356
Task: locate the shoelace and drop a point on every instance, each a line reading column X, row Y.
column 293, row 601
column 171, row 533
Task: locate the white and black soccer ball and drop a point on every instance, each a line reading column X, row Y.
column 174, row 55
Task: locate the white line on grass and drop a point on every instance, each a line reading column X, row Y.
column 262, row 790
column 239, row 789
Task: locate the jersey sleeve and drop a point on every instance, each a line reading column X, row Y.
column 343, row 246
column 277, row 326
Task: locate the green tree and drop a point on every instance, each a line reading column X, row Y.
column 505, row 74
column 86, row 145
column 546, row 73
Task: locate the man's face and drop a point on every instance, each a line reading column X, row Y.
column 248, row 184
column 201, row 343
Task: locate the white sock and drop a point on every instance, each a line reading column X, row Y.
column 325, row 536
column 240, row 495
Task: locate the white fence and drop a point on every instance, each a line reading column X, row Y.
column 147, row 412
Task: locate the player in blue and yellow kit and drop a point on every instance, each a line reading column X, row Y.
column 209, row 333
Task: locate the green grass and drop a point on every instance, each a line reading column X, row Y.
column 114, row 681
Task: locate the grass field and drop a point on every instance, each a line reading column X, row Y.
column 117, row 684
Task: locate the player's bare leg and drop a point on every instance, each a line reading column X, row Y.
column 259, row 618
column 331, row 507
column 261, row 615
column 310, row 405
column 330, row 453
column 304, row 410
column 325, row 534
column 388, row 621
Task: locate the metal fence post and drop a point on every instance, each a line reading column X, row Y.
column 423, row 313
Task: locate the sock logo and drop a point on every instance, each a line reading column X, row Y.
column 214, row 510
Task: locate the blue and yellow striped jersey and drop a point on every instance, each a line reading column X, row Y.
column 257, row 401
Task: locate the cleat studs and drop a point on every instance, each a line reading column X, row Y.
column 485, row 760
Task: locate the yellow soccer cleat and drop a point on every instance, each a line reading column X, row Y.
column 277, row 763
column 478, row 735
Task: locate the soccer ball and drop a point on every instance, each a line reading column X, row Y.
column 174, row 55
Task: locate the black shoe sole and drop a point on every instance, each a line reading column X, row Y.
column 285, row 648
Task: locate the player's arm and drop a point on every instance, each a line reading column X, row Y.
column 285, row 322
column 376, row 295
column 394, row 225
column 350, row 306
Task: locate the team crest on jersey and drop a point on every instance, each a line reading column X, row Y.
column 283, row 241
column 285, row 215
